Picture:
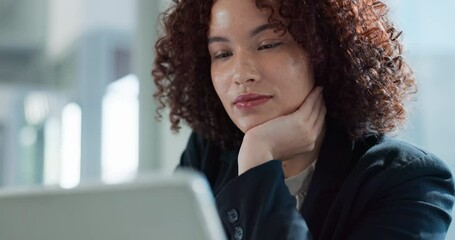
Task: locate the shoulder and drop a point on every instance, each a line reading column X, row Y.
column 206, row 155
column 388, row 162
column 394, row 154
column 395, row 182
column 195, row 148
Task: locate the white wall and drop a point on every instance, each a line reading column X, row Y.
column 65, row 20
column 426, row 24
column 23, row 24
column 70, row 19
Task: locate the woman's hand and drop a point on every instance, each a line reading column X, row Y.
column 286, row 136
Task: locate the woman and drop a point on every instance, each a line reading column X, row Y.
column 290, row 102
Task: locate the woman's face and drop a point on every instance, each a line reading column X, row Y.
column 258, row 73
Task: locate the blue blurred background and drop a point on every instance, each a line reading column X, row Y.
column 76, row 99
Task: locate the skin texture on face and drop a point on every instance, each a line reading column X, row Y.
column 258, row 73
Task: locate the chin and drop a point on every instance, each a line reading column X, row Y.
column 244, row 128
column 246, row 124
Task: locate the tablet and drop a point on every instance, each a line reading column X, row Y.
column 180, row 206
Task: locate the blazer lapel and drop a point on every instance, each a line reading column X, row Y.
column 332, row 167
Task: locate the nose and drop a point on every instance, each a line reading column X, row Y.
column 245, row 69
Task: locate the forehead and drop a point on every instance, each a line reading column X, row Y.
column 232, row 14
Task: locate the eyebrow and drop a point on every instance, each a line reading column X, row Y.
column 254, row 32
column 264, row 27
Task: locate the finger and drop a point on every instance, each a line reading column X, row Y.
column 319, row 122
column 317, row 108
column 307, row 106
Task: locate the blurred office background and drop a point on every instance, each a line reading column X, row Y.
column 76, row 100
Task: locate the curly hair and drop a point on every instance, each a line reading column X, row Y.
column 353, row 46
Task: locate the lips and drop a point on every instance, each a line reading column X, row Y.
column 250, row 100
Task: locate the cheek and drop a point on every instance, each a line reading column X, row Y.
column 297, row 81
column 220, row 83
column 304, row 80
column 302, row 70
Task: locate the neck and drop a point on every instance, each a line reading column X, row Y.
column 298, row 163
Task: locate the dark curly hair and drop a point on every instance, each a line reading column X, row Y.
column 353, row 47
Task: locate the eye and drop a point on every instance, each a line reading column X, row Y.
column 221, row 55
column 270, row 45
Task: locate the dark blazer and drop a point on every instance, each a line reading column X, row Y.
column 375, row 188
